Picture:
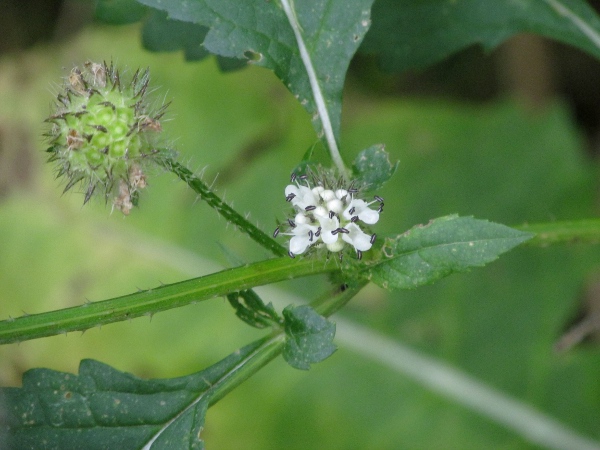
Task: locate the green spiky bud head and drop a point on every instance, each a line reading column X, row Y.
column 103, row 133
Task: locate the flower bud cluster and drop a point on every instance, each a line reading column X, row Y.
column 103, row 131
column 329, row 215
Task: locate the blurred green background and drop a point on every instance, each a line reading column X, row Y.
column 496, row 157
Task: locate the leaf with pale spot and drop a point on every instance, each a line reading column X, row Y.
column 446, row 245
column 103, row 408
column 372, row 167
column 309, row 337
column 259, row 31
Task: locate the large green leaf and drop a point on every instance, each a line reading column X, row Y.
column 259, row 31
column 104, row 408
column 446, row 245
column 415, row 33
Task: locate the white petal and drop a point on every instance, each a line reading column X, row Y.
column 341, row 193
column 301, row 239
column 292, row 189
column 327, row 195
column 303, row 196
column 357, row 237
column 357, row 205
column 369, row 216
column 298, row 244
column 327, row 226
column 321, row 211
column 362, row 210
column 335, row 205
column 300, row 219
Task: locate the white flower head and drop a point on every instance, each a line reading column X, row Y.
column 328, row 214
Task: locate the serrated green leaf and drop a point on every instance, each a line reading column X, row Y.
column 309, row 337
column 446, row 245
column 410, row 34
column 373, row 168
column 259, row 31
column 119, row 12
column 104, row 408
column 250, row 308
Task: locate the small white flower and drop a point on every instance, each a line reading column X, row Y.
column 327, row 215
column 328, row 226
column 357, row 238
column 303, row 236
column 360, row 208
column 300, row 196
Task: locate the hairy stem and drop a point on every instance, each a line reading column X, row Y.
column 564, row 232
column 148, row 302
column 221, row 207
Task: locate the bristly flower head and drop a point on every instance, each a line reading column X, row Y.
column 102, row 133
column 328, row 214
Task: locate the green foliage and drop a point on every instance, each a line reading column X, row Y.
column 416, row 33
column 332, row 29
column 444, row 246
column 160, row 34
column 309, row 337
column 145, row 303
column 250, row 308
column 373, row 168
column 119, row 12
column 309, row 46
column 104, row 408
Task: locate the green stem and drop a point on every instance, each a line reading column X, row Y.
column 564, row 232
column 220, row 206
column 270, row 349
column 148, row 302
column 319, row 98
